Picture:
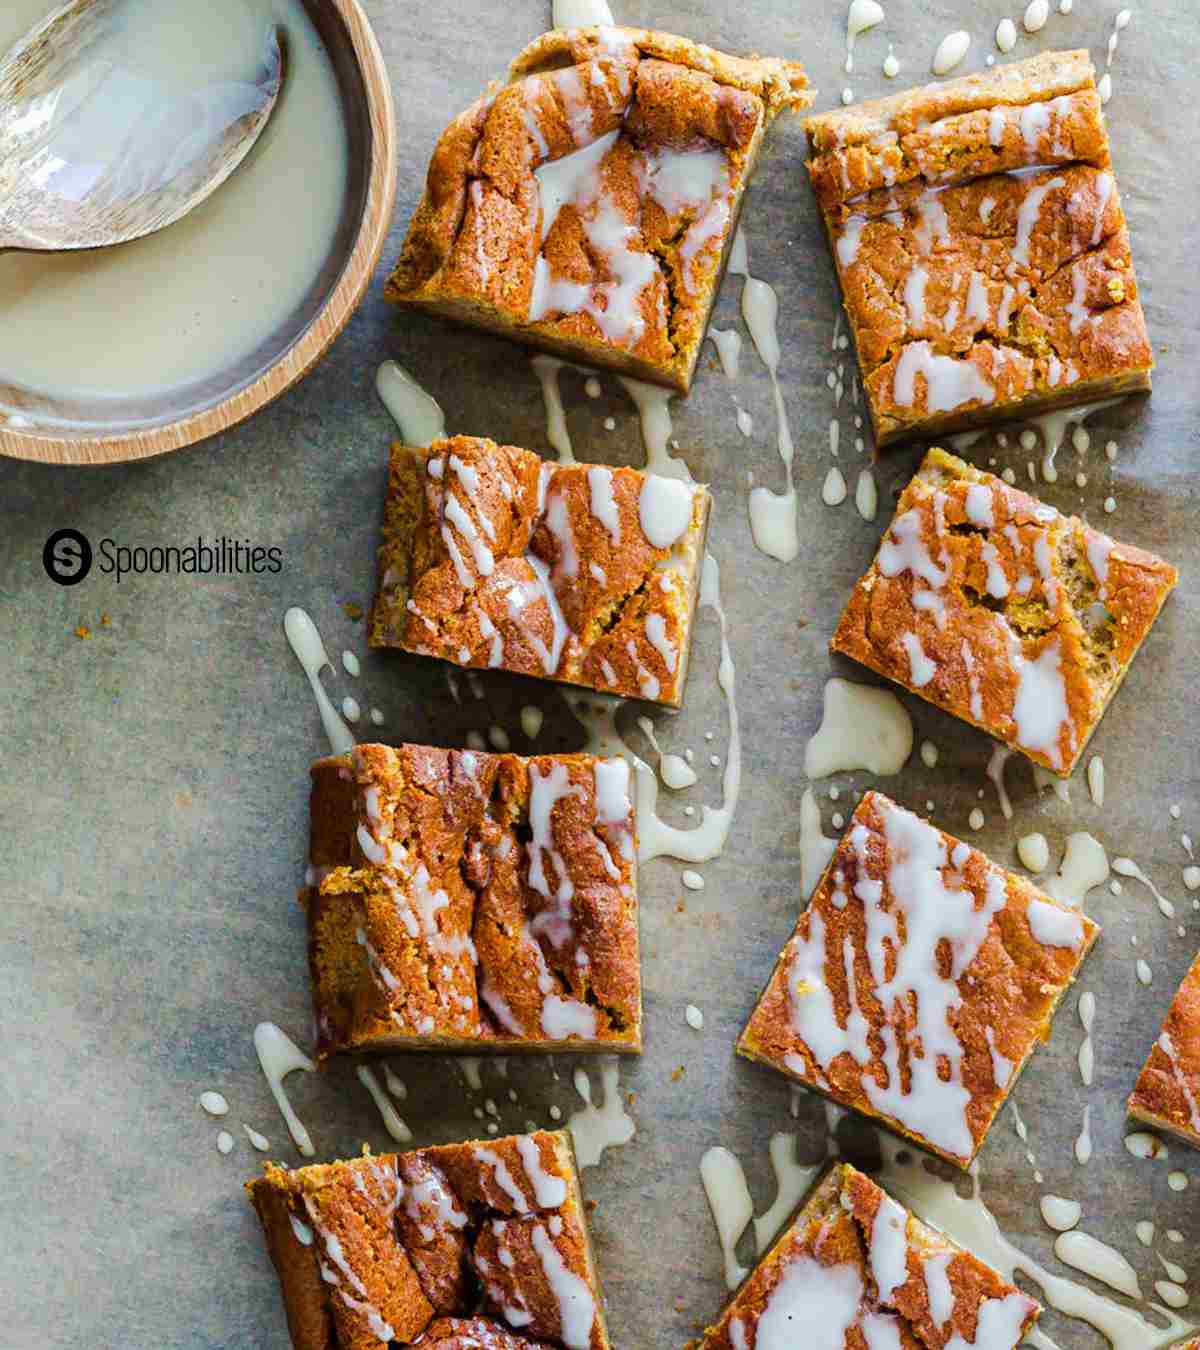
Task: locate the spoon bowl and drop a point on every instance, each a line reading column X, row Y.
column 96, row 151
column 39, row 421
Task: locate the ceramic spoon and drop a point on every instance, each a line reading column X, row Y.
column 95, row 152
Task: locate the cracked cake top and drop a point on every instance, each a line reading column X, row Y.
column 981, row 246
column 472, row 1246
column 1000, row 610
column 492, row 557
column 869, row 1273
column 587, row 204
column 918, row 981
column 459, row 898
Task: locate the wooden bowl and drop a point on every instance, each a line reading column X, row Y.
column 79, row 431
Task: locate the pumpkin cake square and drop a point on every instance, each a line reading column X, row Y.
column 494, row 558
column 994, row 607
column 871, row 1274
column 588, row 205
column 918, row 981
column 463, row 901
column 981, row 247
column 473, row 1246
column 1167, row 1094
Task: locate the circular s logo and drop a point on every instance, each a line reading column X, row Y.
column 67, row 557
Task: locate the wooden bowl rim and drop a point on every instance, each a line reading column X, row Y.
column 321, row 332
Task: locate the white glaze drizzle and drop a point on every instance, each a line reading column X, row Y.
column 1126, row 867
column 729, row 1200
column 416, row 412
column 391, row 1117
column 582, row 14
column 547, row 368
column 656, row 838
column 309, row 650
column 861, row 16
column 1087, row 1056
column 862, row 727
column 815, row 849
column 596, row 1128
column 213, row 1103
column 279, row 1056
column 1099, row 1260
column 968, row 1221
column 772, row 515
column 1084, row 866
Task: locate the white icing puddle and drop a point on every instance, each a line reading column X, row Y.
column 862, row 727
column 596, row 1128
column 1034, row 852
column 1084, row 866
column 866, row 495
column 581, row 13
column 309, row 650
column 1095, row 779
column 1143, row 1144
column 214, row 1103
column 279, row 1056
column 416, row 412
column 1087, row 1018
column 1059, row 1213
column 950, row 52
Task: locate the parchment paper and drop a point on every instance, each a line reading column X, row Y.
column 154, row 785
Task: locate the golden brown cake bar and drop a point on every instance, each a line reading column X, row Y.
column 869, row 1273
column 495, row 558
column 588, row 205
column 918, row 981
column 475, row 1246
column 996, row 608
column 1167, row 1095
column 981, row 247
column 466, row 901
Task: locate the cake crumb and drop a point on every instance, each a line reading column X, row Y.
column 353, row 610
column 83, row 631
